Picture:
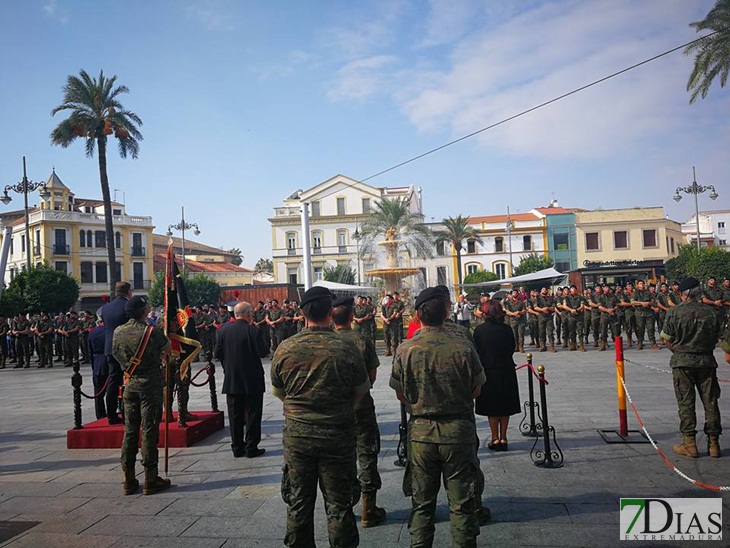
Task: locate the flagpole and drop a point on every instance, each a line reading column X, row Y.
column 167, row 410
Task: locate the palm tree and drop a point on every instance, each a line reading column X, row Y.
column 393, row 219
column 712, row 54
column 456, row 230
column 96, row 113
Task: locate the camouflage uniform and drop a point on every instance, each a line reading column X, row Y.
column 143, row 395
column 663, row 300
column 692, row 329
column 437, row 374
column 316, row 373
column 210, row 332
column 367, row 434
column 389, row 329
column 361, row 327
column 72, row 329
column 645, row 318
column 22, row 342
column 259, row 320
column 397, row 324
column 716, row 294
column 545, row 321
column 608, row 321
column 4, row 330
column 532, row 321
column 276, row 331
column 593, row 302
column 44, row 329
column 371, row 324
column 518, row 323
column 574, row 332
column 629, row 316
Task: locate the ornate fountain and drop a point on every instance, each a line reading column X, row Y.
column 392, row 274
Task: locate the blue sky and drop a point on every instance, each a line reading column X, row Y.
column 245, row 102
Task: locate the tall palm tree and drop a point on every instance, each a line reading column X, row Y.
column 95, row 114
column 712, row 55
column 393, row 219
column 456, row 230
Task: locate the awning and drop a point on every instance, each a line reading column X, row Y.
column 346, row 290
column 546, row 275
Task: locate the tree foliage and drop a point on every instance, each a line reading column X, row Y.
column 200, row 289
column 708, row 261
column 712, row 54
column 532, row 263
column 342, row 273
column 480, row 276
column 264, row 265
column 238, row 259
column 455, row 231
column 94, row 114
column 393, row 217
column 41, row 288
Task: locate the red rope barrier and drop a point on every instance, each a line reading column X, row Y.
column 534, row 373
column 207, row 370
column 99, row 393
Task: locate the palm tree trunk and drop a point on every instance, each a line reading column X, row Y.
column 458, row 267
column 108, row 220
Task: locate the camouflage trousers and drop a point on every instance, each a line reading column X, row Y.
column 518, row 330
column 630, row 325
column 277, row 336
column 330, row 462
column 45, row 351
column 704, row 379
column 393, row 334
column 142, row 412
column 608, row 323
column 645, row 324
column 367, row 440
column 574, row 331
column 532, row 328
column 586, row 327
column 546, row 330
column 558, row 325
column 427, row 464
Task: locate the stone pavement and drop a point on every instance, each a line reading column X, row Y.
column 51, row 496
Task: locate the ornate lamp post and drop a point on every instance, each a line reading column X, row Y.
column 183, row 226
column 695, row 189
column 510, row 227
column 25, row 186
column 357, row 237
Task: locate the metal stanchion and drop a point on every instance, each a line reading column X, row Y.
column 402, row 449
column 548, row 457
column 211, row 385
column 76, row 382
column 530, row 429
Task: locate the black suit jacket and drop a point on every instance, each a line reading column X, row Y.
column 97, row 340
column 113, row 314
column 240, row 347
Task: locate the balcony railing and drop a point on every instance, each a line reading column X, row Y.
column 61, row 249
column 141, row 284
column 342, row 249
column 291, row 251
column 138, row 251
column 316, row 250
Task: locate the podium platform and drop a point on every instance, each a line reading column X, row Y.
column 101, row 435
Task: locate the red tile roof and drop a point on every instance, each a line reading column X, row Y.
column 556, row 210
column 490, row 219
column 198, row 266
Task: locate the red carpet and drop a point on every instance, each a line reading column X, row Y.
column 101, row 435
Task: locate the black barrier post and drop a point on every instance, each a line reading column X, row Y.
column 548, row 457
column 402, row 449
column 530, row 429
column 211, row 383
column 76, row 382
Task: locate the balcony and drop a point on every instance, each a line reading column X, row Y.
column 291, row 251
column 61, row 249
column 141, row 284
column 316, row 251
column 36, row 250
column 138, row 251
column 342, row 249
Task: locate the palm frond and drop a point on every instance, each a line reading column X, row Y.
column 712, row 54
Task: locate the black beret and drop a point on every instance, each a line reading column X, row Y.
column 444, row 290
column 688, row 283
column 343, row 301
column 428, row 294
column 136, row 304
column 316, row 293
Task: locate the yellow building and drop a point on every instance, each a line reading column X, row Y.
column 68, row 234
column 621, row 245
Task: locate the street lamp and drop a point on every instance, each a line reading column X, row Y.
column 695, row 189
column 25, row 186
column 357, row 237
column 510, row 227
column 183, row 226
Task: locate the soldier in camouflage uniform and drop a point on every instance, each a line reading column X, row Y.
column 4, row 330
column 367, row 434
column 690, row 332
column 72, row 333
column 210, row 332
column 594, row 303
column 397, row 327
column 629, row 313
column 370, row 321
column 608, row 307
column 532, row 317
column 563, row 316
column 259, row 320
column 359, row 316
column 318, row 374
column 275, row 320
column 44, row 332
column 545, row 307
column 516, row 311
column 715, row 297
column 438, row 376
column 573, row 311
column 388, row 312
column 22, row 332
column 143, row 396
column 645, row 319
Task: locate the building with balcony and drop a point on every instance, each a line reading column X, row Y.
column 714, row 227
column 68, row 233
column 337, row 209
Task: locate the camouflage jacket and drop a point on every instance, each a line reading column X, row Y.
column 369, row 358
column 317, row 372
column 437, row 374
column 692, row 329
column 148, row 376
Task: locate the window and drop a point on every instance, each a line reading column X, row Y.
column 82, row 238
column 620, row 239
column 592, row 241
column 721, row 227
column 317, row 241
column 318, row 273
column 315, row 209
column 562, row 266
column 722, row 242
column 441, row 275
column 650, row 238
column 118, row 270
column 291, row 243
column 340, row 206
column 527, row 243
column 500, row 269
column 101, row 277
column 472, row 268
column 441, row 249
column 342, row 241
column 62, row 266
column 561, row 241
column 671, row 243
column 99, row 239
column 499, row 244
column 37, row 244
column 118, row 240
column 87, row 273
column 22, row 243
column 88, row 239
column 116, row 211
column 137, row 275
column 11, row 246
column 366, row 205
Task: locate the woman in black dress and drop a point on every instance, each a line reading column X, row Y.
column 500, row 395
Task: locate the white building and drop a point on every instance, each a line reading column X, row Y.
column 337, row 209
column 714, row 227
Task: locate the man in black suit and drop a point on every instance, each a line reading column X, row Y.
column 240, row 347
column 113, row 315
column 99, row 366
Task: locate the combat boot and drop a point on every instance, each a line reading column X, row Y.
column 629, row 343
column 522, row 348
column 713, row 445
column 483, row 515
column 154, row 483
column 371, row 514
column 565, row 343
column 388, row 352
column 131, row 483
column 640, row 345
column 572, row 347
column 654, row 346
column 595, row 344
column 688, row 448
column 603, row 347
column 581, row 347
column 543, row 348
column 552, row 348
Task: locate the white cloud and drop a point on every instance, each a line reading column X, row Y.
column 361, row 79
column 212, row 14
column 53, row 10
column 295, row 61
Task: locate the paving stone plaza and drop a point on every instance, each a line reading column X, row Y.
column 51, row 496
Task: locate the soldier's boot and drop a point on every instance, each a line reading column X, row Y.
column 371, row 514
column 388, row 351
column 688, row 448
column 595, row 343
column 565, row 343
column 183, row 397
column 639, row 345
column 713, row 445
column 154, row 483
column 522, row 348
column 654, row 346
column 483, row 515
column 552, row 347
column 543, row 348
column 603, row 346
column 2, row 360
column 629, row 343
column 581, row 347
column 572, row 347
column 131, row 483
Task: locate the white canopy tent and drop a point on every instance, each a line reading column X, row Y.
column 346, row 290
column 546, row 275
